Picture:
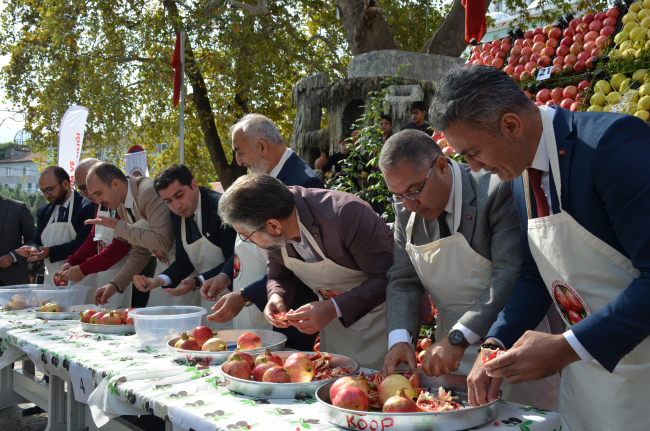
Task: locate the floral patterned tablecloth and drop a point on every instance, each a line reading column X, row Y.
column 132, row 379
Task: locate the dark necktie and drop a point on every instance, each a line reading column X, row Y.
column 128, row 210
column 62, row 214
column 444, row 227
column 194, row 230
column 535, row 176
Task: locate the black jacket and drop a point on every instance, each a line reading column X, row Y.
column 16, row 229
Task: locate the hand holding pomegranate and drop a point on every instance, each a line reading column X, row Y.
column 145, row 284
column 442, row 358
column 227, row 308
column 103, row 294
column 477, row 385
column 214, row 286
column 312, row 317
column 274, row 306
column 400, row 353
column 72, row 274
column 534, row 356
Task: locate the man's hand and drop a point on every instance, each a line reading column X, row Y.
column 101, row 220
column 400, row 353
column 66, row 266
column 26, row 250
column 214, row 286
column 534, row 356
column 185, row 287
column 442, row 358
column 103, row 294
column 274, row 306
column 73, row 274
column 39, row 255
column 145, row 284
column 227, row 308
column 312, row 317
column 477, row 384
column 6, row 260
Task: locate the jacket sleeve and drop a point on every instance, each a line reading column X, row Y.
column 505, row 253
column 61, row 252
column 256, row 292
column 27, row 229
column 280, row 279
column 182, row 267
column 228, row 268
column 404, row 288
column 87, row 250
column 137, row 259
column 40, row 217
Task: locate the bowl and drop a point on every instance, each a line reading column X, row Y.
column 271, row 340
column 64, row 295
column 20, row 296
column 158, row 325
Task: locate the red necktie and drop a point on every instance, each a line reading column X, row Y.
column 535, row 176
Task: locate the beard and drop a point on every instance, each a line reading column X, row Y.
column 61, row 198
column 259, row 166
column 274, row 242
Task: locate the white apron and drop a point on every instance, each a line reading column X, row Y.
column 455, row 276
column 573, row 261
column 366, row 339
column 204, row 256
column 57, row 233
column 250, row 264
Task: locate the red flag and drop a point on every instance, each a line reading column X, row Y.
column 475, row 23
column 176, row 64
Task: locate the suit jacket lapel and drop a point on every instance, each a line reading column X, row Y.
column 205, row 210
column 287, row 168
column 134, row 191
column 468, row 209
column 307, row 220
column 3, row 211
column 563, row 128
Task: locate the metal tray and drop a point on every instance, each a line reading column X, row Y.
column 108, row 329
column 287, row 390
column 270, row 340
column 69, row 312
column 465, row 418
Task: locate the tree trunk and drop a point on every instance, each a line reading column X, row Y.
column 366, row 28
column 449, row 39
column 227, row 172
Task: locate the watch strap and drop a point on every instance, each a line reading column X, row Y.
column 119, row 289
column 245, row 298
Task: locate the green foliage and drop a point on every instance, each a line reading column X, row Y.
column 32, row 200
column 413, row 22
column 4, row 148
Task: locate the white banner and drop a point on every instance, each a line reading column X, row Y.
column 136, row 164
column 71, row 136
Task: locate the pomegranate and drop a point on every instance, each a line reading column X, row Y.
column 556, row 69
column 567, row 41
column 543, row 95
column 602, row 41
column 476, row 49
column 486, row 47
column 426, row 343
column 559, row 61
column 583, row 27
column 186, row 342
column 590, row 62
column 421, row 356
column 299, row 367
column 552, row 43
column 244, row 356
column 595, row 52
column 538, row 30
column 96, row 318
column 528, row 34
column 126, row 320
column 530, row 66
column 513, row 60
column 579, row 37
column 562, row 50
column 524, row 59
column 509, row 69
column 505, row 47
column 561, row 299
column 591, row 36
column 520, row 68
column 276, row 374
column 543, row 61
column 86, row 315
column 600, row 16
column 576, row 48
column 518, row 42
column 505, row 40
column 118, row 313
column 527, row 51
column 516, row 76
column 584, row 56
column 584, row 84
column 538, row 46
column 573, row 301
column 575, row 106
column 497, row 62
column 556, row 94
column 400, row 403
column 111, row 319
column 248, row 341
column 567, row 68
column 477, row 62
column 580, row 66
column 516, row 50
column 525, row 75
column 270, row 357
column 588, row 18
column 528, row 94
column 202, row 334
column 570, row 92
column 391, row 384
column 589, row 45
column 568, row 32
column 566, row 103
column 607, row 31
column 237, row 368
column 574, row 23
column 500, row 55
column 595, row 25
column 609, row 22
column 496, row 42
column 548, row 51
column 570, row 59
column 539, row 38
column 351, row 399
column 551, row 103
column 574, row 317
column 347, row 382
column 215, row 345
column 554, row 33
column 260, row 369
column 535, row 57
column 613, row 13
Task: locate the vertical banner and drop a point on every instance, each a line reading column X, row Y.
column 71, row 137
column 136, row 164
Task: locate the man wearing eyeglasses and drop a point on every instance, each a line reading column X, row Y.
column 456, row 238
column 61, row 229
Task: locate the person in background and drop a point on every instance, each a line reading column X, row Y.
column 61, row 229
column 258, row 145
column 16, row 229
column 318, row 164
column 386, row 126
column 334, row 162
column 36, row 271
column 332, row 241
column 419, row 114
column 202, row 243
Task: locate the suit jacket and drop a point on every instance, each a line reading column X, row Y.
column 211, row 228
column 349, row 233
column 82, row 210
column 150, row 207
column 295, row 172
column 611, row 199
column 16, row 229
column 492, row 231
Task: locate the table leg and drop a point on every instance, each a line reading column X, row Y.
column 75, row 412
column 7, row 395
column 56, row 413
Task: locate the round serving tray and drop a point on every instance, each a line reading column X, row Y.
column 287, row 390
column 465, row 418
column 108, row 329
column 270, row 340
column 68, row 312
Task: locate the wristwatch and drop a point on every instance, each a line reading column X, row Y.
column 457, row 338
column 197, row 283
column 119, row 289
column 245, row 298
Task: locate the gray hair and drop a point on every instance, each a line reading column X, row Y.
column 256, row 127
column 409, row 146
column 254, row 199
column 477, row 97
column 86, row 164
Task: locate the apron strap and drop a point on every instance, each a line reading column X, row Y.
column 551, row 145
column 458, row 194
column 311, row 240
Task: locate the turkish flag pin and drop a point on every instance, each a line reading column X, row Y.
column 562, row 153
column 469, row 217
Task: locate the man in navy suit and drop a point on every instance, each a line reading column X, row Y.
column 58, row 234
column 584, row 239
column 257, row 144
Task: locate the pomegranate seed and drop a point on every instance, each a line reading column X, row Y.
column 496, row 424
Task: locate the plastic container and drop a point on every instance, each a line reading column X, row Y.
column 64, row 295
column 158, row 325
column 20, row 296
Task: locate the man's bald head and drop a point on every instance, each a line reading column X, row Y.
column 80, row 174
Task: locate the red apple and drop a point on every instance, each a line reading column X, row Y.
column 602, row 41
column 580, row 66
column 538, row 46
column 556, row 94
column 528, row 34
column 590, row 62
column 497, row 62
column 575, row 48
column 513, row 59
column 584, row 84
column 584, row 56
column 588, row 18
column 596, row 25
column 554, row 33
column 607, row 31
column 539, row 38
column 592, row 35
column 552, row 43
column 558, row 61
column 544, row 61
column 543, row 95
column 570, row 92
column 579, row 37
column 520, row 68
column 568, row 32
column 566, row 103
column 570, row 59
column 509, row 69
column 613, row 13
column 550, row 103
column 516, row 50
column 574, row 23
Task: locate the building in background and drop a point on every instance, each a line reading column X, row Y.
column 18, row 167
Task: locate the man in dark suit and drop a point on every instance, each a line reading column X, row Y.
column 584, row 239
column 258, row 145
column 16, row 229
column 58, row 234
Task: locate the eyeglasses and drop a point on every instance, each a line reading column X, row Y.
column 49, row 190
column 247, row 239
column 399, row 199
column 82, row 188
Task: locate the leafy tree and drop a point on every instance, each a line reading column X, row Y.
column 32, row 200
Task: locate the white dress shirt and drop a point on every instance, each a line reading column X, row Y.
column 128, row 202
column 276, row 170
column 403, row 335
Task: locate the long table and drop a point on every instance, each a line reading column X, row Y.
column 95, row 379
